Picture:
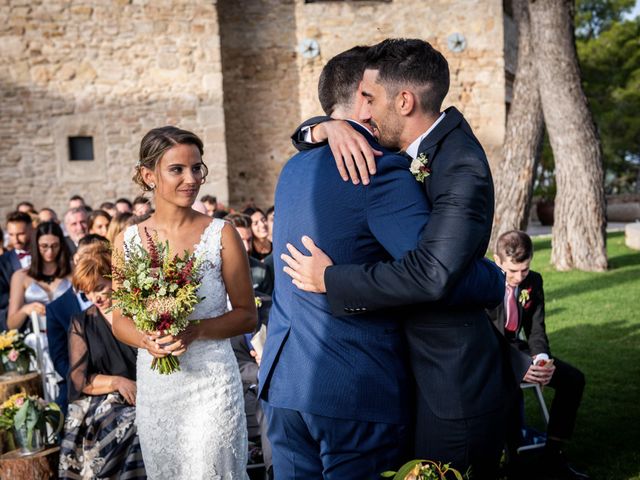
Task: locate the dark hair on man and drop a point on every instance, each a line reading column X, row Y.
column 270, row 210
column 63, row 259
column 140, row 200
column 414, row 62
column 26, row 204
column 220, row 214
column 340, row 78
column 515, row 246
column 124, row 200
column 209, row 199
column 239, row 220
column 19, row 217
column 76, row 197
column 107, row 206
column 92, row 239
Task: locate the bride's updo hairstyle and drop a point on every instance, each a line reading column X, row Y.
column 156, row 143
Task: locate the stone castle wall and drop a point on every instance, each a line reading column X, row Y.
column 107, row 69
column 229, row 70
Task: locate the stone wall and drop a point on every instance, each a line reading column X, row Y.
column 260, row 79
column 477, row 73
column 111, row 70
column 114, row 69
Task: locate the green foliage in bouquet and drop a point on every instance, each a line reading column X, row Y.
column 425, row 470
column 157, row 290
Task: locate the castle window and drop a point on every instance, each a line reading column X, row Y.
column 80, row 148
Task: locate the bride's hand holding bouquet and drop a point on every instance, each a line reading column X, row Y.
column 158, row 291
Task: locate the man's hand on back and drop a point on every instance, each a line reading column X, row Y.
column 307, row 272
column 354, row 156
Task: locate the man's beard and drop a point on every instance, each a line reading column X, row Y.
column 389, row 130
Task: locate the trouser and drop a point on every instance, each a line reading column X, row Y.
column 474, row 443
column 568, row 383
column 307, row 446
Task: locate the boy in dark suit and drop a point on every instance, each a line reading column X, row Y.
column 520, row 318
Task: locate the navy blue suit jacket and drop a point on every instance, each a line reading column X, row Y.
column 343, row 366
column 340, row 366
column 9, row 263
column 59, row 313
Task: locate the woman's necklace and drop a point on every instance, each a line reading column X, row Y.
column 48, row 279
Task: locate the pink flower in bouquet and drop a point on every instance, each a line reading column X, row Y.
column 13, row 355
column 19, row 401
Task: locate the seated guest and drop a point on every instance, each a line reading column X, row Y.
column 210, row 203
column 47, row 215
column 26, row 207
column 141, row 206
column 76, row 226
column 46, row 279
column 100, row 439
column 123, row 205
column 19, row 230
column 60, row 311
column 98, row 222
column 521, row 319
column 2, row 249
column 109, row 207
column 260, row 243
column 76, row 201
column 262, row 275
column 118, row 224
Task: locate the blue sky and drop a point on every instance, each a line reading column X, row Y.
column 636, row 10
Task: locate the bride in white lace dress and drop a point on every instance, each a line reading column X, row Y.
column 191, row 423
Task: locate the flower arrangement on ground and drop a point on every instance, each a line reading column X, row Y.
column 14, row 353
column 27, row 417
column 425, row 470
column 157, row 290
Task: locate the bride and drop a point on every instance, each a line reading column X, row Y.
column 191, row 423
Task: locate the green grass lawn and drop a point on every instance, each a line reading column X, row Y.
column 593, row 322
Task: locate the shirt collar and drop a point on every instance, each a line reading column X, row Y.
column 412, row 149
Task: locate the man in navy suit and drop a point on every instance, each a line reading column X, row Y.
column 337, row 388
column 19, row 229
column 461, row 364
column 59, row 314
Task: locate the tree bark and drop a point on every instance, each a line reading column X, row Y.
column 578, row 235
column 523, row 138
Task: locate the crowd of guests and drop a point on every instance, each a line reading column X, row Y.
column 60, row 270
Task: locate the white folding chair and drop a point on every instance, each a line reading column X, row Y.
column 537, row 390
column 44, row 365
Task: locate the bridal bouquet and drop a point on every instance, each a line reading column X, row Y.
column 157, row 290
column 425, row 470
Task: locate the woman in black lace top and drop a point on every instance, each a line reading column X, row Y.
column 100, row 439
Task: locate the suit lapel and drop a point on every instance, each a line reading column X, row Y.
column 451, row 120
column 15, row 262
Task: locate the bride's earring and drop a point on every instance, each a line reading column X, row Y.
column 152, row 186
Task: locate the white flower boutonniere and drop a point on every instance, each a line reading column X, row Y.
column 419, row 167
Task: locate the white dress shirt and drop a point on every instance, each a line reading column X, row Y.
column 412, row 149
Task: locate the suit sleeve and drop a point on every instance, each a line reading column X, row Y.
column 298, row 136
column 462, row 198
column 57, row 338
column 4, row 294
column 537, row 338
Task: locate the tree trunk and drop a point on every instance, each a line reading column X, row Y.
column 579, row 239
column 523, row 138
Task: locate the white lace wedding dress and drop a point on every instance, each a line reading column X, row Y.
column 192, row 423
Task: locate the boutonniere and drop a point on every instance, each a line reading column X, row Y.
column 419, row 167
column 525, row 298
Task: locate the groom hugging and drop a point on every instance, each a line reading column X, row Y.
column 336, row 381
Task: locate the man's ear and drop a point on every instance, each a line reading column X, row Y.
column 496, row 259
column 406, row 103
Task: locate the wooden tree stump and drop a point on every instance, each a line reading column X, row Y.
column 12, row 383
column 42, row 465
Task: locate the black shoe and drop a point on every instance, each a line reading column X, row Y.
column 556, row 466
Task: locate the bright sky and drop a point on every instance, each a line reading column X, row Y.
column 636, row 10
